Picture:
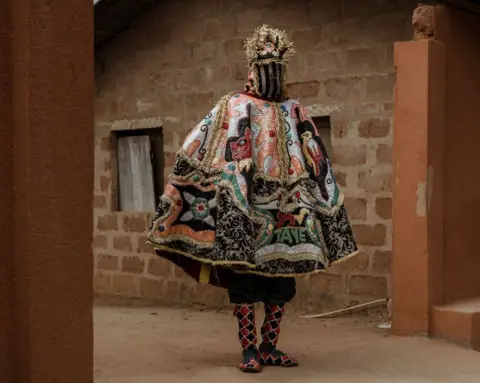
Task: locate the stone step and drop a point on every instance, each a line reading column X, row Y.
column 458, row 322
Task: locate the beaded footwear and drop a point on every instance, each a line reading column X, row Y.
column 269, row 355
column 247, row 333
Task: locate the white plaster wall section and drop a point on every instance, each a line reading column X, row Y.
column 145, row 105
column 320, row 110
column 421, row 199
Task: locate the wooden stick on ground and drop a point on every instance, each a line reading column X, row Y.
column 347, row 310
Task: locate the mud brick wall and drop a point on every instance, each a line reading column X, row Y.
column 181, row 57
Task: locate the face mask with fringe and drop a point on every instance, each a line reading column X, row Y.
column 268, row 52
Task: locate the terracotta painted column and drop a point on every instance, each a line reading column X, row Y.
column 418, row 184
column 46, row 177
column 6, row 194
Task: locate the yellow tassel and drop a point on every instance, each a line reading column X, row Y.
column 205, row 273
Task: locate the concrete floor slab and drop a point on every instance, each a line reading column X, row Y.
column 146, row 345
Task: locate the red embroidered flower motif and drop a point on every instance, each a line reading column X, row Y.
column 200, row 209
column 242, row 148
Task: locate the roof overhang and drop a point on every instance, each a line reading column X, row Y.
column 467, row 5
column 112, row 17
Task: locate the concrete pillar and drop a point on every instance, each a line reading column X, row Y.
column 46, row 177
column 418, row 184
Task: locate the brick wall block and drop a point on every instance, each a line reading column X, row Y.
column 374, row 128
column 217, row 74
column 173, row 104
column 367, row 235
column 180, row 274
column 326, row 284
column 383, row 208
column 233, row 49
column 306, row 39
column 189, row 79
column 382, row 261
column 340, row 128
column 218, row 299
column 356, row 208
column 380, row 88
column 345, row 90
column 158, row 80
column 384, row 154
column 99, row 202
column 151, row 288
column 366, row 285
column 106, row 143
column 133, row 264
column 175, row 55
column 301, row 90
column 199, row 104
column 107, row 222
column 366, row 9
column 126, row 285
column 220, row 28
column 323, row 11
column 137, row 223
column 240, row 72
column 189, row 32
column 102, row 282
column 100, row 241
column 122, row 243
column 247, row 20
column 204, row 51
column 173, row 289
column 107, row 262
column 341, row 179
column 349, row 155
column 242, row 5
column 105, row 183
column 297, row 16
column 159, row 267
column 143, row 246
column 367, row 60
column 375, row 182
column 344, row 128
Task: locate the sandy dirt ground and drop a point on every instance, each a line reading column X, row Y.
column 146, row 345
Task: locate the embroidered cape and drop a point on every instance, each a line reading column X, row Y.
column 252, row 191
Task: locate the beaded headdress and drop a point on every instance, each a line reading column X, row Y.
column 268, row 44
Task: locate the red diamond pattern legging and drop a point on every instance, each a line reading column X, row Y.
column 247, row 332
column 271, row 324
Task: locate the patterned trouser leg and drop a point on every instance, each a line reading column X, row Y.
column 269, row 355
column 247, row 333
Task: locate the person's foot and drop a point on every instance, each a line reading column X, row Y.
column 250, row 362
column 272, row 357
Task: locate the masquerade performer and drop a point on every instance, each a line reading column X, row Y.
column 253, row 201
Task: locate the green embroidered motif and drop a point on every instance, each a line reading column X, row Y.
column 232, row 179
column 336, row 195
column 291, row 235
column 312, row 231
column 266, row 235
